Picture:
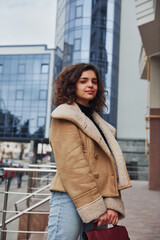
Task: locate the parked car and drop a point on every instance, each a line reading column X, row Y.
column 2, row 166
column 1, row 175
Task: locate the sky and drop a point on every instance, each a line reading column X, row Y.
column 27, row 22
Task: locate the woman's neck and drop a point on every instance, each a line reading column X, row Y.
column 80, row 104
column 85, row 104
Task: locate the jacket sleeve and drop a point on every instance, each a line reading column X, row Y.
column 74, row 170
column 115, row 203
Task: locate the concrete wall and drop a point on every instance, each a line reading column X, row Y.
column 154, row 149
column 155, row 83
column 132, row 92
column 134, row 153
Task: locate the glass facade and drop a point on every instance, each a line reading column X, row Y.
column 60, row 25
column 90, row 33
column 23, row 95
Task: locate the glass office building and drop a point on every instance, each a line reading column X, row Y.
column 88, row 31
column 25, row 92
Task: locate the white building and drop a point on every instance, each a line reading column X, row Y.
column 148, row 22
column 132, row 94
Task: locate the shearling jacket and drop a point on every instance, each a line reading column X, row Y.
column 86, row 169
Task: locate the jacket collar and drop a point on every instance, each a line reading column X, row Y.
column 74, row 114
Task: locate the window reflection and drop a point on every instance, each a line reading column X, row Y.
column 90, row 33
column 77, row 44
column 21, row 68
column 19, row 94
column 41, row 121
column 42, row 95
column 98, row 36
column 78, row 22
column 79, row 11
column 72, row 11
column 24, row 81
column 1, row 68
column 44, row 68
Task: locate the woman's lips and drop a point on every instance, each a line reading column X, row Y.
column 90, row 92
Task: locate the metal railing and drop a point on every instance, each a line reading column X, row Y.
column 31, row 195
column 37, row 186
column 37, row 177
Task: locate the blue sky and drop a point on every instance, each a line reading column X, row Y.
column 27, row 22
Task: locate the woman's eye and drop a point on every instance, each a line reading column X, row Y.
column 94, row 82
column 83, row 81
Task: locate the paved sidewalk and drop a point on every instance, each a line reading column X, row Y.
column 142, row 212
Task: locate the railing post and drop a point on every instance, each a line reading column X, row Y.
column 3, row 234
column 30, row 175
column 47, row 178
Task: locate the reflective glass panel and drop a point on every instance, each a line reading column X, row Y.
column 21, row 68
column 79, row 11
column 19, row 94
column 44, row 68
column 77, row 44
column 24, row 84
column 43, row 95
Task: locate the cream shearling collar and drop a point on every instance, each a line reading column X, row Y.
column 74, row 114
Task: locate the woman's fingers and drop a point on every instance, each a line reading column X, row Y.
column 102, row 220
column 114, row 221
column 112, row 217
column 109, row 217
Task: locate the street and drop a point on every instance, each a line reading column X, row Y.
column 142, row 210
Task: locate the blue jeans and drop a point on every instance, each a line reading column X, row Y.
column 64, row 220
column 19, row 181
column 9, row 182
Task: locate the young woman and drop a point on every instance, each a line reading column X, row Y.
column 91, row 169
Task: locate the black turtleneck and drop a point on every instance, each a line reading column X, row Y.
column 88, row 112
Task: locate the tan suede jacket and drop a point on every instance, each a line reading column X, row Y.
column 86, row 169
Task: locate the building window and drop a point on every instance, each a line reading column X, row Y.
column 21, row 68
column 93, row 55
column 103, row 16
column 77, row 44
column 1, row 68
column 41, row 121
column 102, row 35
column 94, row 19
column 94, row 2
column 68, row 57
column 18, row 120
column 79, row 11
column 44, row 68
column 102, row 71
column 42, row 95
column 19, row 95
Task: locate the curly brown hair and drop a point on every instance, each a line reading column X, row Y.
column 64, row 86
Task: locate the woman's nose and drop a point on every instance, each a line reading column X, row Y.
column 90, row 84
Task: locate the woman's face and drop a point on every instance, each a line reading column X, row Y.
column 86, row 87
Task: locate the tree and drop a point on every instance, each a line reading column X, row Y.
column 39, row 134
column 23, row 147
column 9, row 124
column 24, row 130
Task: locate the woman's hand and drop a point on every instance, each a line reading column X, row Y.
column 109, row 217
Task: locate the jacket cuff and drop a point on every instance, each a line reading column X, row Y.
column 116, row 204
column 92, row 210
